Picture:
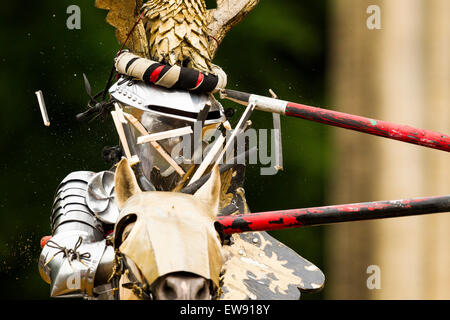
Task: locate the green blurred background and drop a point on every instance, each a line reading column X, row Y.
column 281, row 45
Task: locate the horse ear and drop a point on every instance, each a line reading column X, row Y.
column 125, row 182
column 209, row 193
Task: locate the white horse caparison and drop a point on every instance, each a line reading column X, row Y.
column 168, row 240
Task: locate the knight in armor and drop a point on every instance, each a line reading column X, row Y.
column 160, row 88
column 78, row 259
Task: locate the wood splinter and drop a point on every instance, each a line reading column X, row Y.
column 277, row 132
column 141, row 129
column 164, row 135
column 133, row 159
column 41, row 102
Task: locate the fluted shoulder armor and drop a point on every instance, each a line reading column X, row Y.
column 77, row 261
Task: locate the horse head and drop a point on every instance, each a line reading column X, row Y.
column 166, row 244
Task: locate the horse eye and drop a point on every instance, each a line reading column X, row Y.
column 127, row 231
column 125, row 235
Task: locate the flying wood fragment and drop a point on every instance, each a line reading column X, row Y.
column 164, row 135
column 41, row 102
column 135, row 122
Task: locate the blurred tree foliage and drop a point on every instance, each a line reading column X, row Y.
column 280, row 45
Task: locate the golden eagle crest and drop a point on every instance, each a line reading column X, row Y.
column 175, row 32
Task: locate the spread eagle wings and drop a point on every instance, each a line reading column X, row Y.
column 181, row 32
column 123, row 15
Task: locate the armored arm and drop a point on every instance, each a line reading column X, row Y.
column 77, row 261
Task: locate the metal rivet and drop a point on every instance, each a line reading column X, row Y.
column 255, row 240
column 241, row 252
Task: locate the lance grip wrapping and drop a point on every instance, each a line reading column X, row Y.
column 168, row 76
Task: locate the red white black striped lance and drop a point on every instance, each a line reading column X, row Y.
column 385, row 129
column 296, row 218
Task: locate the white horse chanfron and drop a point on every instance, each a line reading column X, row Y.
column 167, row 240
